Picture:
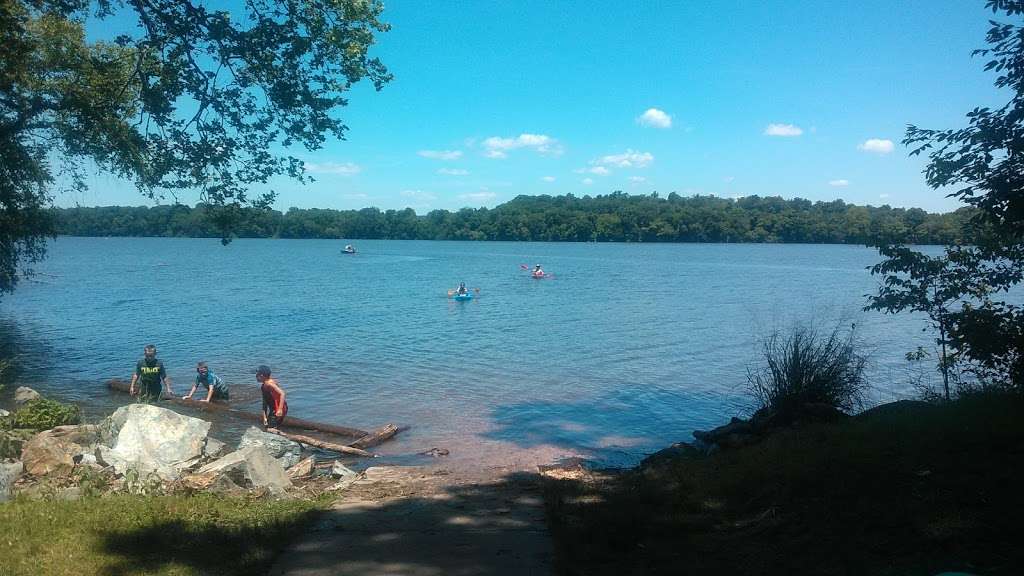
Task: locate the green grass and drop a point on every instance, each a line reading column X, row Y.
column 160, row 535
column 911, row 489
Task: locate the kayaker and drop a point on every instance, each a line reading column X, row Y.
column 275, row 407
column 215, row 387
column 537, row 271
column 150, row 376
column 462, row 291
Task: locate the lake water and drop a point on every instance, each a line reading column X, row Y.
column 628, row 348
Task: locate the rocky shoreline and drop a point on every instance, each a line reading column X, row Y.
column 147, row 449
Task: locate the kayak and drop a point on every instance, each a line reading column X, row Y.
column 538, row 276
column 348, row 251
column 463, row 297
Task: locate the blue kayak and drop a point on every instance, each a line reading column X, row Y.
column 462, row 297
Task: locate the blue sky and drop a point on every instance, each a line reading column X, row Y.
column 792, row 98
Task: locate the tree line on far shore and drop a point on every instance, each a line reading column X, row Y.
column 616, row 217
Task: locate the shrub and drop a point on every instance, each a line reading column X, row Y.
column 43, row 414
column 808, row 368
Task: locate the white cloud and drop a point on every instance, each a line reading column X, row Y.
column 342, row 168
column 548, row 178
column 587, row 181
column 441, row 154
column 418, row 195
column 628, row 159
column 877, row 145
column 655, row 118
column 783, row 130
column 841, row 182
column 637, row 179
column 883, row 195
column 453, row 172
column 478, row 196
column 497, row 147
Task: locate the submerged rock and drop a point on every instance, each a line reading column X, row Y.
column 25, row 394
column 54, row 451
column 153, row 440
column 285, row 451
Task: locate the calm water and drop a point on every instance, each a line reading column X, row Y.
column 630, row 347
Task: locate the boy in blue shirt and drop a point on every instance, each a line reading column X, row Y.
column 215, row 387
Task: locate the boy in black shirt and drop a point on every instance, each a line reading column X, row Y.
column 151, row 376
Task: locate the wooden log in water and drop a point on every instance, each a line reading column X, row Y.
column 376, row 437
column 290, row 423
column 340, row 448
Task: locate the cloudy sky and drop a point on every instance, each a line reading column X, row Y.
column 791, row 98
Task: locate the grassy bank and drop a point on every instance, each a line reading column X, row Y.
column 165, row 535
column 909, row 488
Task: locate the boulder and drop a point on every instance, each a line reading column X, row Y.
column 4, row 413
column 249, row 467
column 735, row 426
column 302, row 469
column 214, row 448
column 285, row 451
column 54, row 451
column 13, row 441
column 153, row 440
column 23, row 394
column 9, row 472
column 339, row 470
column 677, row 451
column 346, row 477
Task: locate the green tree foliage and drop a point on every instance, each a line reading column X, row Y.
column 197, row 100
column 983, row 163
column 616, row 217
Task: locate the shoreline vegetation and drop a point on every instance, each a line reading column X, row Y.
column 616, row 217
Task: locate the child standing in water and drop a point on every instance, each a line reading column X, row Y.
column 275, row 408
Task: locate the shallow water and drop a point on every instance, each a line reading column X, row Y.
column 628, row 348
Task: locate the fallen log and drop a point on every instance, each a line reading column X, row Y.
column 340, row 448
column 376, row 437
column 290, row 423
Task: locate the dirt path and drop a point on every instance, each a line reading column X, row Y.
column 415, row 521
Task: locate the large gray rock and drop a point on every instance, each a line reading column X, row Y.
column 153, row 440
column 24, row 394
column 13, row 441
column 302, row 469
column 285, row 451
column 4, row 413
column 249, row 467
column 53, row 452
column 9, row 472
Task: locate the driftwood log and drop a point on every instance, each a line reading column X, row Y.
column 340, row 448
column 291, row 424
column 378, row 436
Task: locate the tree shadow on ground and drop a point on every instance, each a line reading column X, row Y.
column 613, row 430
column 423, row 526
column 200, row 549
